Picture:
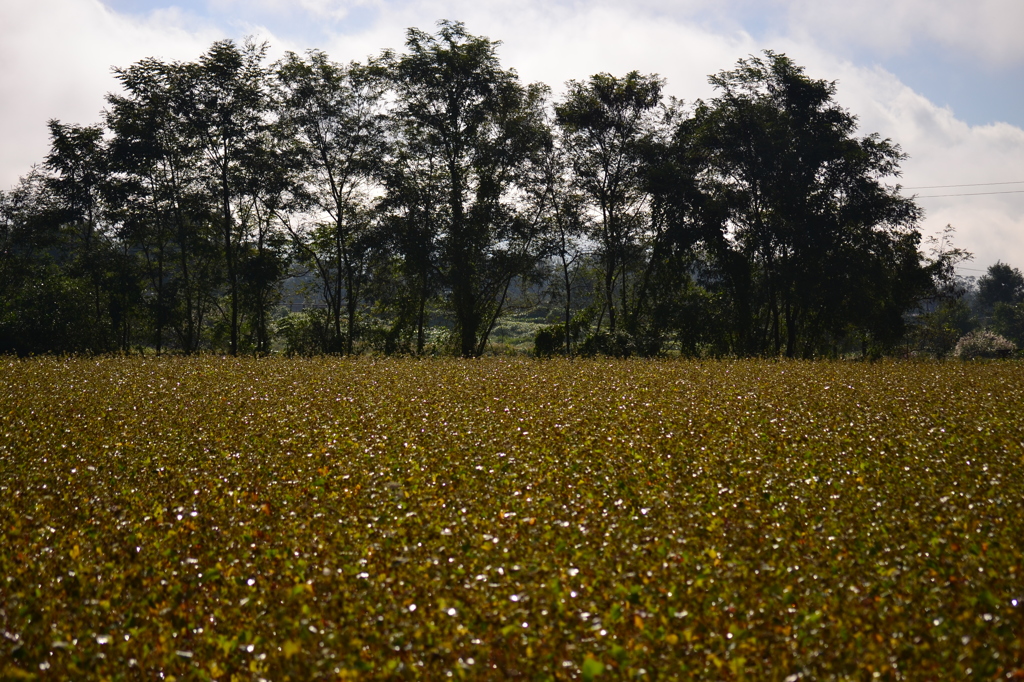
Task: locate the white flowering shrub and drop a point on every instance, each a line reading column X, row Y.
column 983, row 344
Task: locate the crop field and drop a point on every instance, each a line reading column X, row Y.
column 282, row 519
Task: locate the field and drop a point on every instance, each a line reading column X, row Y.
column 283, row 519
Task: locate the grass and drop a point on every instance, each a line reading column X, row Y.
column 238, row 519
column 515, row 334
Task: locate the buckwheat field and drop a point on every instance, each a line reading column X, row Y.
column 285, row 519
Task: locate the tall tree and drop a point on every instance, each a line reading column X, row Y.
column 77, row 163
column 406, row 242
column 828, row 244
column 566, row 226
column 605, row 121
column 44, row 307
column 267, row 188
column 156, row 167
column 334, row 114
column 224, row 99
column 680, row 287
column 485, row 129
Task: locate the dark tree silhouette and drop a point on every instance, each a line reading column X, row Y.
column 485, row 129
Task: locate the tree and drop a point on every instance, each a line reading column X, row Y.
column 942, row 316
column 333, row 114
column 406, row 243
column 679, row 288
column 1000, row 284
column 266, row 188
column 1001, row 292
column 161, row 201
column 458, row 105
column 829, row 249
column 76, row 162
column 605, row 122
column 564, row 232
column 1008, row 320
column 42, row 308
column 223, row 98
column 430, row 184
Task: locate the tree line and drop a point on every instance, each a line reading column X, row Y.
column 420, row 195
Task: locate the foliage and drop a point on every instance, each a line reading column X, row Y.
column 1008, row 321
column 1001, row 284
column 605, row 122
column 818, row 242
column 563, row 241
column 983, row 344
column 332, row 115
column 552, row 339
column 222, row 99
column 621, row 344
column 57, row 321
column 483, row 131
column 305, row 333
column 209, row 518
column 938, row 331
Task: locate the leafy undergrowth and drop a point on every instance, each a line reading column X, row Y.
column 304, row 519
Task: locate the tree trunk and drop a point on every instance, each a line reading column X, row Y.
column 350, row 301
column 568, row 301
column 421, row 314
column 462, row 265
column 228, row 253
column 791, row 319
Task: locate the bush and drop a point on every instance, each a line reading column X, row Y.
column 983, row 344
column 550, row 340
column 938, row 331
column 621, row 345
column 1008, row 320
column 306, row 332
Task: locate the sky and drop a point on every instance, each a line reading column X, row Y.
column 944, row 79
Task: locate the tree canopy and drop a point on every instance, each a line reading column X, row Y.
column 825, row 247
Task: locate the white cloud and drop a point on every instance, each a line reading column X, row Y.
column 552, row 42
column 334, row 10
column 989, row 29
column 57, row 57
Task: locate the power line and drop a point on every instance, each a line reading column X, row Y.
column 969, row 194
column 978, row 184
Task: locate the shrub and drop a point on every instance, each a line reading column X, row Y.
column 983, row 344
column 621, row 344
column 550, row 340
column 1008, row 320
column 306, row 332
